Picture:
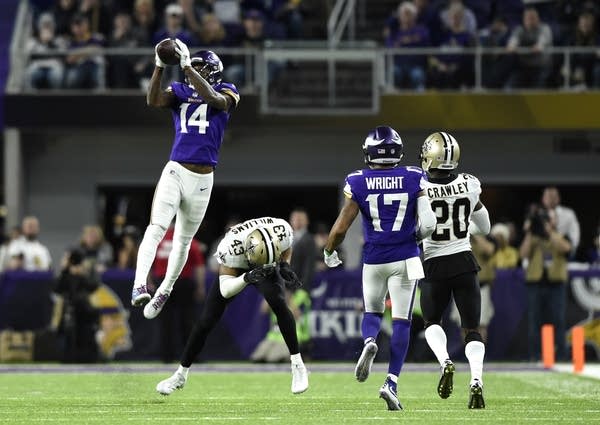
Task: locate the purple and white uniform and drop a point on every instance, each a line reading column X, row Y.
column 199, row 128
column 387, row 199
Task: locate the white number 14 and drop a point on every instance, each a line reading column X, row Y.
column 198, row 118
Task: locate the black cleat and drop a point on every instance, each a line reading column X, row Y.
column 476, row 396
column 445, row 386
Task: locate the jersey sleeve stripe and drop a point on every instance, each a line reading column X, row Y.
column 234, row 95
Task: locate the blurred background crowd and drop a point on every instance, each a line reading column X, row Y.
column 521, row 34
column 525, row 245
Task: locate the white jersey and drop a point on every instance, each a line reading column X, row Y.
column 452, row 201
column 36, row 256
column 230, row 251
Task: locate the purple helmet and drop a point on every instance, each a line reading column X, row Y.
column 209, row 66
column 383, row 146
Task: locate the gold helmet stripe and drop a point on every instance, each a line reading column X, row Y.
column 269, row 244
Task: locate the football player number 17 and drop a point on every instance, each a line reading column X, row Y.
column 196, row 119
column 388, row 199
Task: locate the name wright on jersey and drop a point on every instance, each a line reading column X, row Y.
column 380, row 183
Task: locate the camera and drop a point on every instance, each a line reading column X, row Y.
column 538, row 217
column 75, row 257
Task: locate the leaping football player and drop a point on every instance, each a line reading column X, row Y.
column 200, row 108
column 396, row 214
column 450, row 267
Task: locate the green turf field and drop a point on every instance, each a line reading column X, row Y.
column 265, row 398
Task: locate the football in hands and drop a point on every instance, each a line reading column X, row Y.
column 166, row 52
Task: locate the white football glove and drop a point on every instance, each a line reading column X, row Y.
column 332, row 259
column 184, row 54
column 157, row 60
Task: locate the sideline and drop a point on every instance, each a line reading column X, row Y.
column 589, row 370
column 248, row 367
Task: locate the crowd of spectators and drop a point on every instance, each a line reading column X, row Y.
column 76, row 30
column 79, row 28
column 523, row 30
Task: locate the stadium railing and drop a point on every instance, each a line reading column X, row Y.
column 382, row 57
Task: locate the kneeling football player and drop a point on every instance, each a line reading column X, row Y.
column 256, row 252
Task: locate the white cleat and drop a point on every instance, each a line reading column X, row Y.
column 299, row 378
column 140, row 296
column 365, row 361
column 167, row 386
column 156, row 304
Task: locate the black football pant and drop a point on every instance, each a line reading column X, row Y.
column 436, row 294
column 215, row 306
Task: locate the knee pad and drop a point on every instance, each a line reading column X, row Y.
column 473, row 336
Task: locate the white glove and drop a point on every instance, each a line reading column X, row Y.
column 332, row 260
column 184, row 53
column 157, row 60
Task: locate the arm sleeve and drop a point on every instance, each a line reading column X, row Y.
column 427, row 219
column 480, row 222
column 231, row 285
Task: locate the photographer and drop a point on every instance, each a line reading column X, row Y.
column 80, row 319
column 545, row 253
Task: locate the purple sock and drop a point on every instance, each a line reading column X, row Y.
column 399, row 345
column 371, row 323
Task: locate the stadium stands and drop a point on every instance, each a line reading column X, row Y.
column 124, row 27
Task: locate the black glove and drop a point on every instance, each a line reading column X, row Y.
column 259, row 273
column 289, row 277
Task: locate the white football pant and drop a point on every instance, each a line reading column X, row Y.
column 397, row 278
column 182, row 193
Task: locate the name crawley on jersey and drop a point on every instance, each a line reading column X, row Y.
column 380, row 183
column 448, row 190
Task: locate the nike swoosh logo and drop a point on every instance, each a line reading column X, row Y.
column 203, row 189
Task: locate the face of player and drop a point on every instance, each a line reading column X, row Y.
column 202, row 69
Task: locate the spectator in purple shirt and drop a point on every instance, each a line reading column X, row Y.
column 409, row 70
column 448, row 14
column 174, row 26
column 429, row 16
column 85, row 64
column 63, row 12
column 454, row 70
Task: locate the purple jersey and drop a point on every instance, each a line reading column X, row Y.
column 199, row 128
column 387, row 199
